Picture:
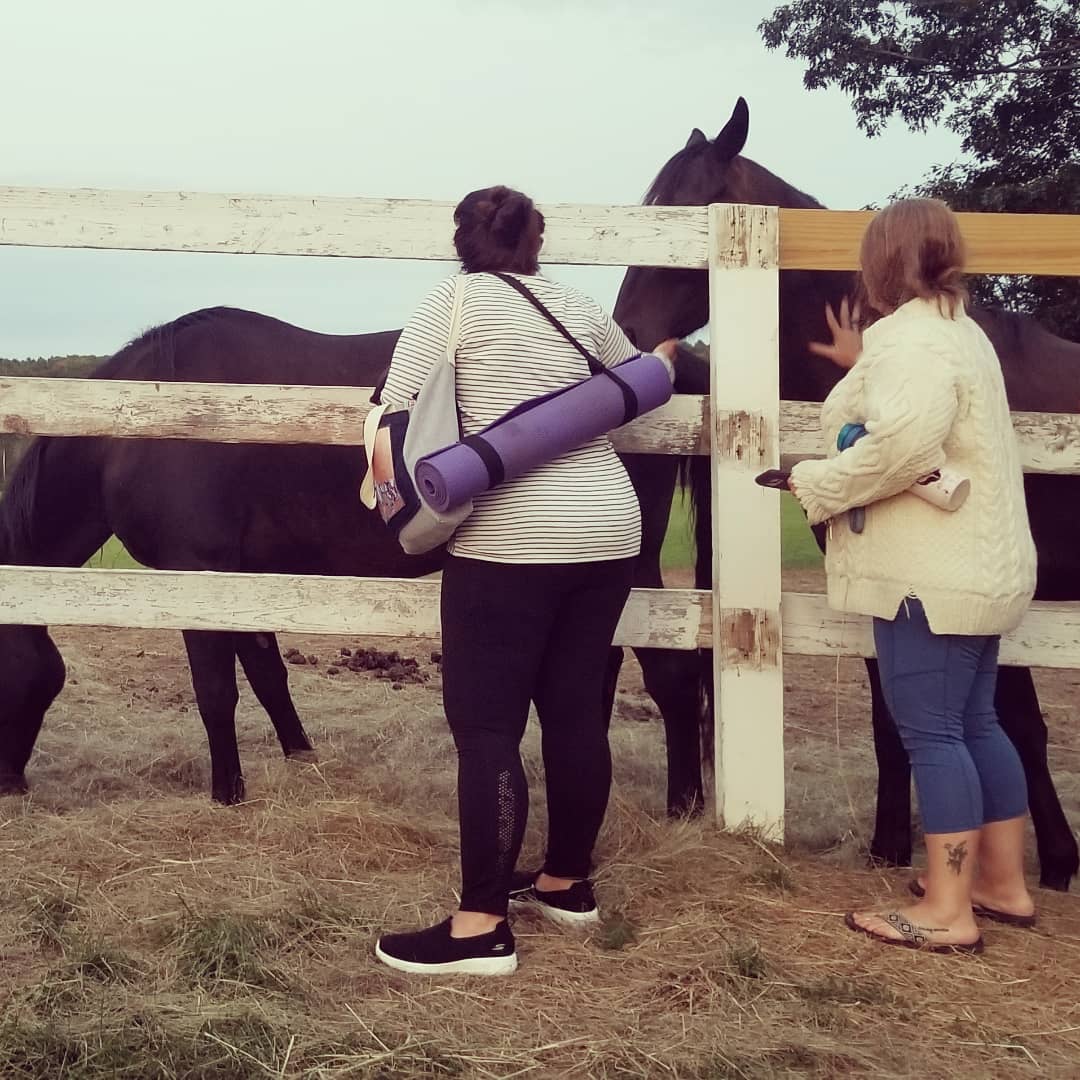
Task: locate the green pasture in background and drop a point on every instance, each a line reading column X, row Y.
column 799, row 547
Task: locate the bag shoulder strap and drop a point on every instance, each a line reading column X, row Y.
column 630, row 398
column 455, row 319
column 371, row 429
column 594, row 364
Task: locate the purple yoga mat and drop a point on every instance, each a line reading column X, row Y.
column 542, row 429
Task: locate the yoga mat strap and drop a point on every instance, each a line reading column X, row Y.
column 631, row 405
column 487, row 454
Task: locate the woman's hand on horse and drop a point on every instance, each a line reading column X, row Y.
column 666, row 349
column 847, row 338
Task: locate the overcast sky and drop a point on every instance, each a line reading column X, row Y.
column 569, row 100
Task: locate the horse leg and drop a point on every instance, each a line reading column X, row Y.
column 672, row 679
column 891, row 844
column 31, row 675
column 212, row 659
column 51, row 515
column 611, row 682
column 1017, row 705
column 261, row 660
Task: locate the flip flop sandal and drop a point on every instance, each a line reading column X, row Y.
column 912, row 936
column 1005, row 917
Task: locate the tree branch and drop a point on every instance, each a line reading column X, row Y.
column 1020, row 66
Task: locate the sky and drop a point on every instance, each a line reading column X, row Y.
column 569, row 100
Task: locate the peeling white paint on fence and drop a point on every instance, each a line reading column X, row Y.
column 747, row 428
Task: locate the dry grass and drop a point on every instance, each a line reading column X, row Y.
column 145, row 933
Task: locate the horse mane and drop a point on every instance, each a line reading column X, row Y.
column 1014, row 327
column 747, row 182
column 659, row 191
column 750, row 182
column 1010, row 327
column 17, row 505
column 152, row 355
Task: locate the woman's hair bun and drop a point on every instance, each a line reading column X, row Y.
column 498, row 229
column 510, row 216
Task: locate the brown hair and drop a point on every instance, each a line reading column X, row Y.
column 913, row 248
column 498, row 229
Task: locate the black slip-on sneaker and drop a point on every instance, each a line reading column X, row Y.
column 434, row 952
column 575, row 906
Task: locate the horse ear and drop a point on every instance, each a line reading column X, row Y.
column 732, row 138
column 697, row 137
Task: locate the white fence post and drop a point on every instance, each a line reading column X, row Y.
column 744, row 335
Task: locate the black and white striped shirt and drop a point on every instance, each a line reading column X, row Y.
column 581, row 507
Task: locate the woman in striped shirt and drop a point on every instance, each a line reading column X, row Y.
column 536, row 580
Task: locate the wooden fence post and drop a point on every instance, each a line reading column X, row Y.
column 744, row 336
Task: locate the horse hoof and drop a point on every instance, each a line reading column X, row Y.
column 686, row 810
column 1058, row 880
column 308, row 757
column 878, row 859
column 13, row 784
column 229, row 795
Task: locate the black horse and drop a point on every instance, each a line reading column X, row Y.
column 1042, row 373
column 289, row 509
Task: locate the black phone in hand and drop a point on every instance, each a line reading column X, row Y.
column 773, row 478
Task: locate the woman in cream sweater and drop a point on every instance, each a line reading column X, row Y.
column 942, row 586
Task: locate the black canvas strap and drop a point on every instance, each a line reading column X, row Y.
column 630, row 398
column 594, row 364
column 487, row 454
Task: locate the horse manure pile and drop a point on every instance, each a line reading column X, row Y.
column 295, row 656
column 398, row 670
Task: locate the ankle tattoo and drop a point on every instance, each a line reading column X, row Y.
column 957, row 854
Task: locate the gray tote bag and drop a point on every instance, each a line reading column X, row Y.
column 396, row 437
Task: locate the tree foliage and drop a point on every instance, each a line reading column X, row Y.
column 58, row 367
column 1003, row 74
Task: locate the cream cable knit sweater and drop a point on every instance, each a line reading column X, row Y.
column 929, row 389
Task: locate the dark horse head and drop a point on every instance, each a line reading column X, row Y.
column 654, row 304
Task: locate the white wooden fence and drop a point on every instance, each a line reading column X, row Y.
column 745, row 619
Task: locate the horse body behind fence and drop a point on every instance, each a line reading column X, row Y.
column 258, row 508
column 1042, row 373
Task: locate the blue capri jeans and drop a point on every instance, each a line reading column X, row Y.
column 940, row 691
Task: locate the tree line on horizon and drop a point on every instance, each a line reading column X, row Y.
column 12, row 447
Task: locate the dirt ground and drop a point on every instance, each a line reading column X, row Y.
column 146, row 932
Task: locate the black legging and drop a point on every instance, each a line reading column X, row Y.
column 512, row 633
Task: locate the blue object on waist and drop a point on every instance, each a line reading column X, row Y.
column 848, row 436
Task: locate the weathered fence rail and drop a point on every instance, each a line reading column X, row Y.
column 675, row 236
column 742, row 426
column 333, row 416
column 386, row 607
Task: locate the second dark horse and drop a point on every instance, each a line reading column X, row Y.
column 1042, row 374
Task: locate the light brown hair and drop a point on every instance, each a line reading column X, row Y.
column 913, row 248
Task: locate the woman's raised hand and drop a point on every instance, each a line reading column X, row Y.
column 666, row 349
column 847, row 338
